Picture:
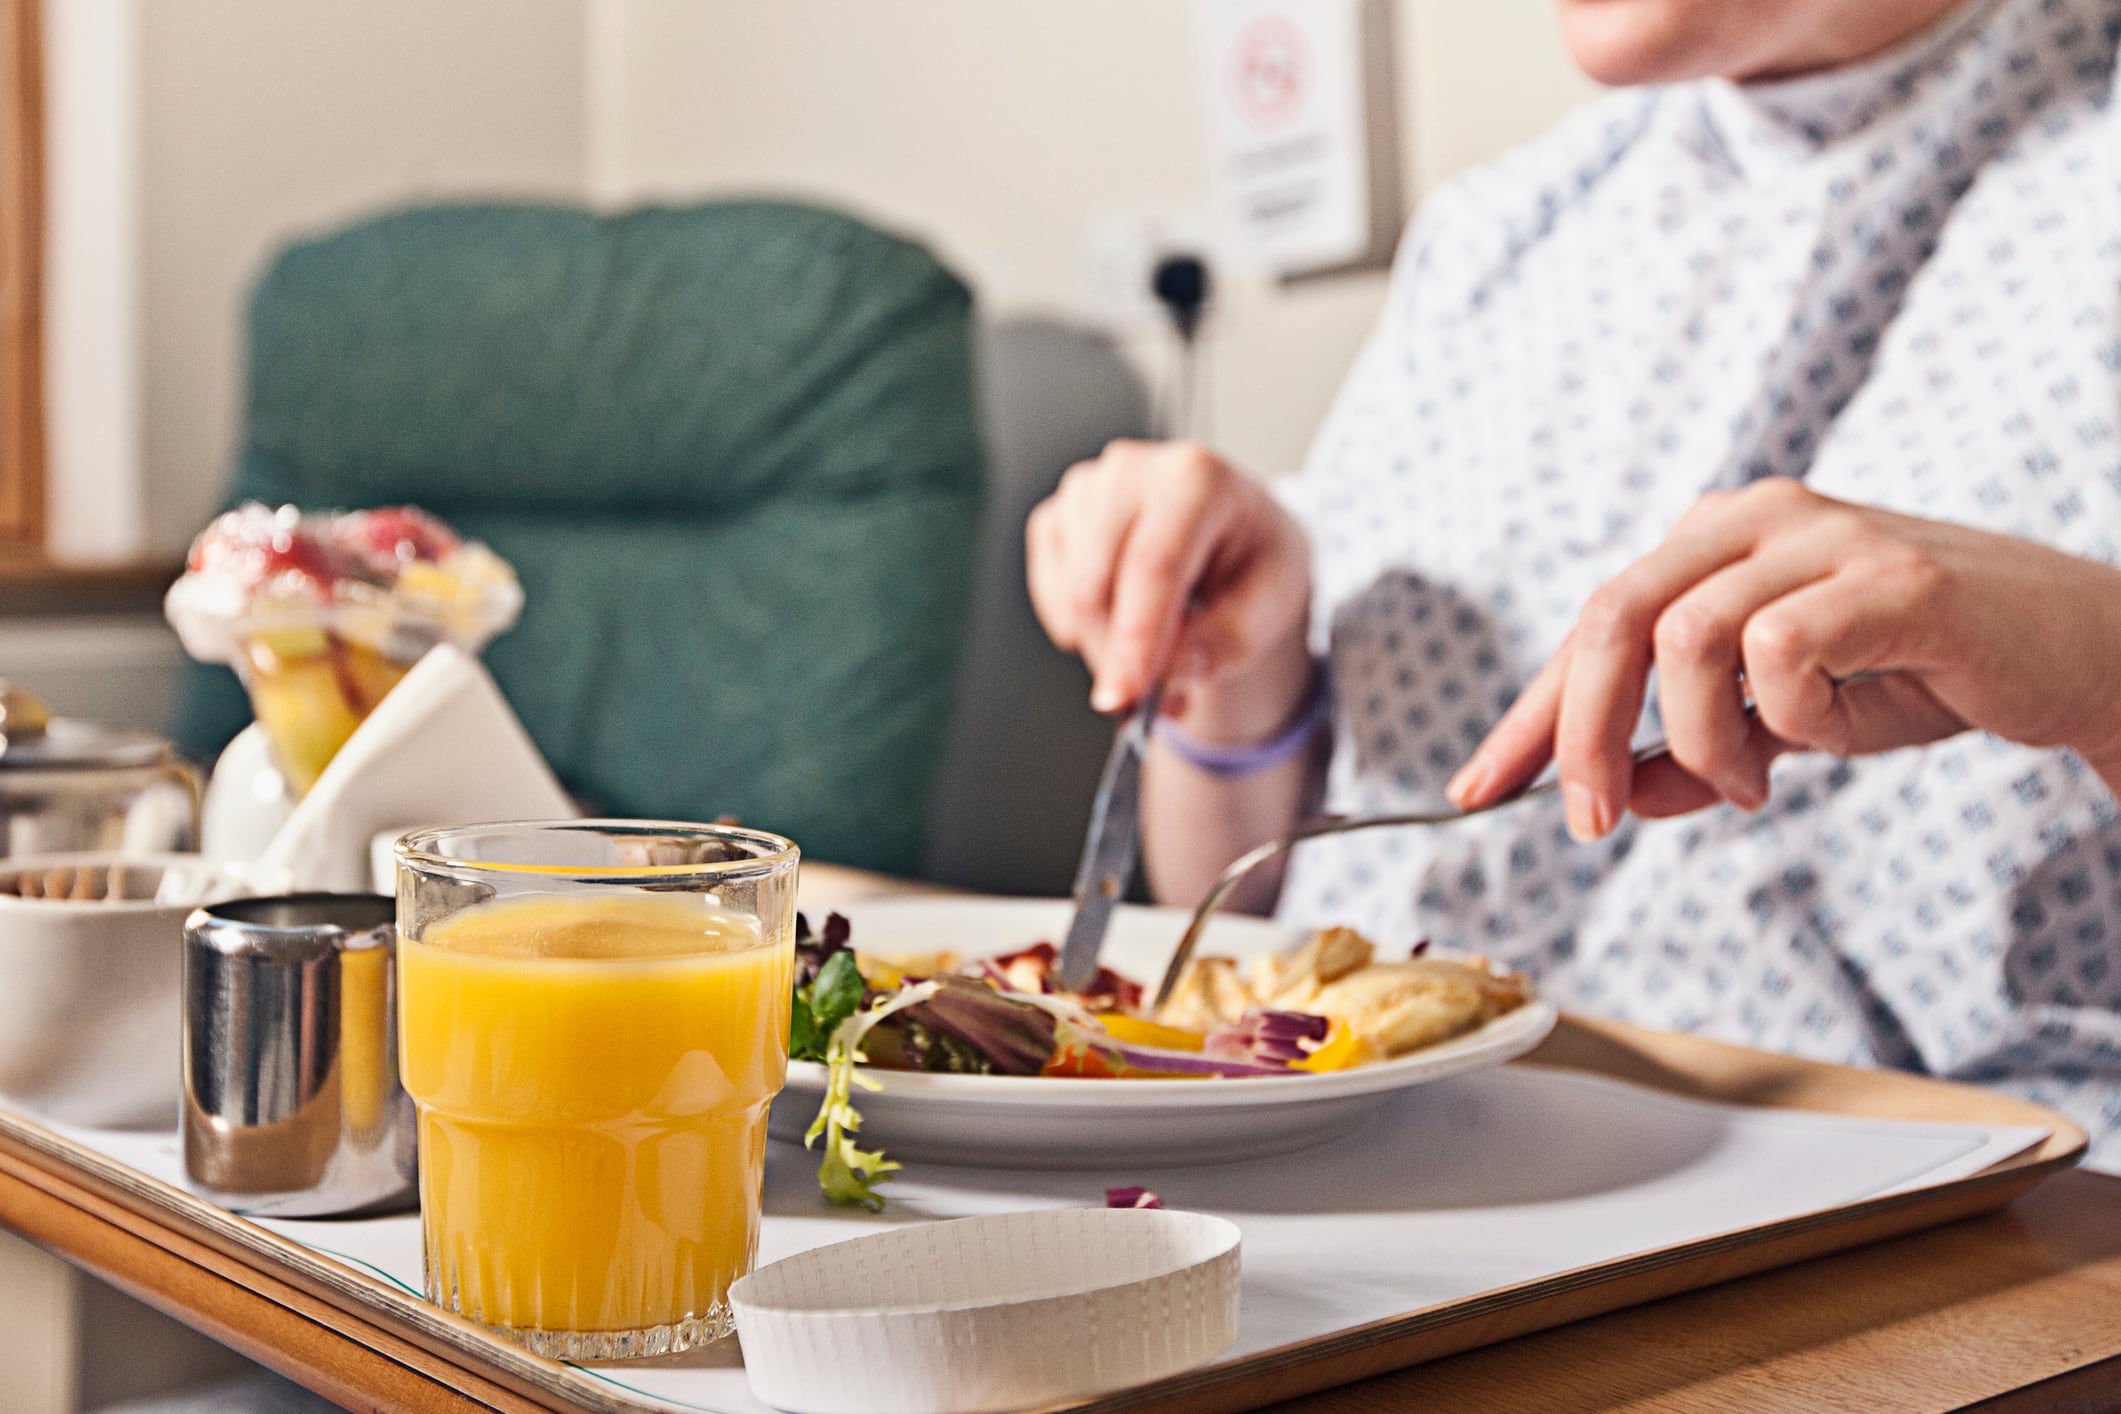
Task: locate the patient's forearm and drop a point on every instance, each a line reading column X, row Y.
column 1194, row 821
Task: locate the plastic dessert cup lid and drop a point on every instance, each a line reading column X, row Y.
column 1005, row 1311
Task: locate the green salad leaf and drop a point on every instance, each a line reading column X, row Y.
column 819, row 1008
column 804, row 1043
column 837, row 993
column 847, row 1173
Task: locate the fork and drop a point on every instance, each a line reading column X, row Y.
column 1348, row 824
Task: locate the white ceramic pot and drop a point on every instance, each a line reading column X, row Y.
column 89, row 996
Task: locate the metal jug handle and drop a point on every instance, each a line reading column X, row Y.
column 193, row 781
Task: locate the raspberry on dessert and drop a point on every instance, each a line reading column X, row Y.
column 396, row 534
column 258, row 551
column 394, row 581
column 296, row 552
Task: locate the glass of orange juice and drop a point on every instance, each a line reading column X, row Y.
column 593, row 1019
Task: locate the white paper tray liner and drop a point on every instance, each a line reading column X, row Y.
column 990, row 1313
column 1459, row 1187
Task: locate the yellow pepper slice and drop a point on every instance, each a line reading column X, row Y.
column 1341, row 1049
column 877, row 972
column 1133, row 1031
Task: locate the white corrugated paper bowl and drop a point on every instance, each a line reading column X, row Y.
column 90, row 996
column 1005, row 1311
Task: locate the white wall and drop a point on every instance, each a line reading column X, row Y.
column 1003, row 134
column 263, row 119
column 117, row 668
column 1484, row 75
column 96, row 503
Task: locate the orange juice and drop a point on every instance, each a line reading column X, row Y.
column 592, row 1074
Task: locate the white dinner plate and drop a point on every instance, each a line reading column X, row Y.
column 1036, row 1122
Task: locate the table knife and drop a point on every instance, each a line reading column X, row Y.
column 1110, row 848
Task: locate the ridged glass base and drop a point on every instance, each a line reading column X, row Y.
column 571, row 1241
column 623, row 1345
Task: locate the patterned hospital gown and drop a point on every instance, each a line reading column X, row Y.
column 1900, row 282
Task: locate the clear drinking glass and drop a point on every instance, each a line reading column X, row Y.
column 593, row 1021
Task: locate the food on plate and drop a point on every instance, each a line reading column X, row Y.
column 1390, row 1007
column 1326, row 956
column 1398, row 1007
column 1209, row 992
column 1325, row 1004
column 1327, row 999
column 321, row 615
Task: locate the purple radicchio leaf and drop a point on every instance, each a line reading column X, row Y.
column 1015, row 1037
column 1266, row 1037
column 1132, row 1197
column 814, row 950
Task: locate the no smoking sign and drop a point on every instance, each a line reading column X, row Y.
column 1290, row 88
column 1270, row 70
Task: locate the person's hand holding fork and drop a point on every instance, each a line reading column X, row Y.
column 1784, row 595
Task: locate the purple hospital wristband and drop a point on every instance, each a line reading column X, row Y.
column 1230, row 762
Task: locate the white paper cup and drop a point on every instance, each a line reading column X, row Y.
column 991, row 1313
column 92, row 998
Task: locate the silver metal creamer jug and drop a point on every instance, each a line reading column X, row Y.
column 68, row 786
column 292, row 1106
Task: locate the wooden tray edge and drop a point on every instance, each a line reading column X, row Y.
column 1699, row 1068
column 338, row 1353
column 272, row 1267
column 1683, row 1065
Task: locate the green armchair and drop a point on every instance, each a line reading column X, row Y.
column 731, row 450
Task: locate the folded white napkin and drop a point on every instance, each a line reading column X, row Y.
column 443, row 748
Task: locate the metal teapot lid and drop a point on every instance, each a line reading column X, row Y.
column 32, row 738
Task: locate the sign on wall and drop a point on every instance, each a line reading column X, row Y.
column 1300, row 127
